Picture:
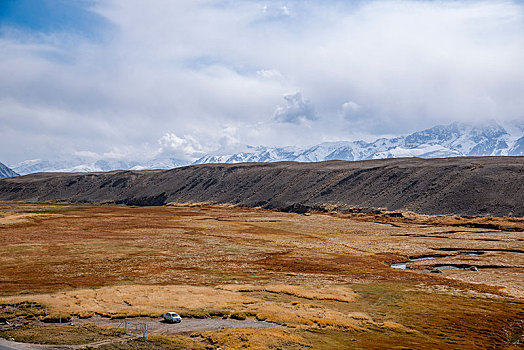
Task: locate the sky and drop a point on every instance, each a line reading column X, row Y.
column 135, row 79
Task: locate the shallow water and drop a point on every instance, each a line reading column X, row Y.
column 403, row 266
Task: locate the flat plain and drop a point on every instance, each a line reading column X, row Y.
column 320, row 280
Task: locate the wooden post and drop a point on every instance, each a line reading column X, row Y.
column 60, row 316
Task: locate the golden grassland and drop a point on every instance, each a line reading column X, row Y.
column 324, row 278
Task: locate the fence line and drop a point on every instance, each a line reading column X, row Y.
column 135, row 328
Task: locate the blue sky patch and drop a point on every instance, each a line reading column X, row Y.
column 50, row 16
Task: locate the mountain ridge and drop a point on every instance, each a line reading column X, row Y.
column 5, row 171
column 452, row 140
column 467, row 186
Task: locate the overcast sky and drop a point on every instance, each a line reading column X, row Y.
column 134, row 78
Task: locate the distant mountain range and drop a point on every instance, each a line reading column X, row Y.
column 88, row 164
column 5, row 171
column 453, row 140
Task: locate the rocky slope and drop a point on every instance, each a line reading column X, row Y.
column 464, row 186
column 5, row 171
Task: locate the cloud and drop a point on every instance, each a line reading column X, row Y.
column 216, row 71
column 185, row 148
column 350, row 109
column 296, row 110
column 269, row 74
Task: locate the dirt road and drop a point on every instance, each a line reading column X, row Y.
column 188, row 325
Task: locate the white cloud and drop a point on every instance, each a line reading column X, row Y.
column 184, row 148
column 350, row 109
column 296, row 110
column 269, row 74
column 201, row 67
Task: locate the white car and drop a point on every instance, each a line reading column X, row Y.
column 172, row 317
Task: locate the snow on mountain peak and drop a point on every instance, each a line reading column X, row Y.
column 5, row 171
column 452, row 140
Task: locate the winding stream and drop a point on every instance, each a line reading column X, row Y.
column 403, row 265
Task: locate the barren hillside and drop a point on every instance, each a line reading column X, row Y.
column 463, row 186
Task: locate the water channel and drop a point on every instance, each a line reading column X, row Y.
column 403, row 265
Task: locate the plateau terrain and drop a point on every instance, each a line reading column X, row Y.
column 73, row 275
column 466, row 186
column 264, row 175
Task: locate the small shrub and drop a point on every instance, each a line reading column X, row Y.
column 238, row 316
column 260, row 317
column 57, row 318
column 219, row 313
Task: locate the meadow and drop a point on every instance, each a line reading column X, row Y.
column 324, row 280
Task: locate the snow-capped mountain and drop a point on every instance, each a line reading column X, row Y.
column 5, row 171
column 252, row 154
column 457, row 139
column 453, row 140
column 518, row 148
column 79, row 164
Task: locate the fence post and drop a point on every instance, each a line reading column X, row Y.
column 60, row 316
column 147, row 327
column 125, row 327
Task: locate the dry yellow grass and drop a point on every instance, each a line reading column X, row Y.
column 326, row 279
column 256, row 339
column 134, row 300
column 338, row 293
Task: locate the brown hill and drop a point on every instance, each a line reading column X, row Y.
column 464, row 186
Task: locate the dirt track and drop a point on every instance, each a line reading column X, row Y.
column 188, row 325
column 155, row 326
